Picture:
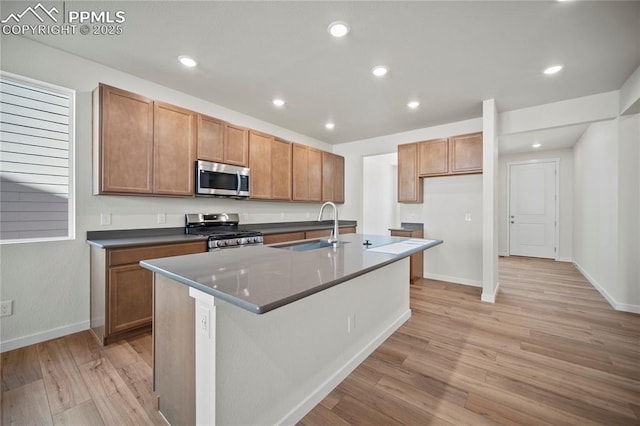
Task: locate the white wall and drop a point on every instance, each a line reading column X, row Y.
column 49, row 282
column 447, row 200
column 379, row 194
column 629, row 212
column 565, row 198
column 595, row 203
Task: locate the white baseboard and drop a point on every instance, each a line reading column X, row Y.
column 490, row 298
column 43, row 336
column 564, row 259
column 298, row 412
column 635, row 309
column 503, row 253
column 455, row 280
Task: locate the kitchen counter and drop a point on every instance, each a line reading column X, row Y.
column 324, row 311
column 409, row 227
column 262, row 278
column 152, row 236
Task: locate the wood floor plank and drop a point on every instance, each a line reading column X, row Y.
column 82, row 414
column 20, row 367
column 26, row 405
column 63, row 382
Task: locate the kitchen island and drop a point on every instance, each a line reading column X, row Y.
column 274, row 329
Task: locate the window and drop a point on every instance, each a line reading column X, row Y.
column 36, row 161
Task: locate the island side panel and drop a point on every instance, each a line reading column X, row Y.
column 274, row 368
column 174, row 350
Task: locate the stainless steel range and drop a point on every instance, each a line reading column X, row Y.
column 222, row 230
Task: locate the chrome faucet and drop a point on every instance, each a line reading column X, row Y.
column 333, row 238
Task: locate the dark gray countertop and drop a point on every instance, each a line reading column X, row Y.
column 408, row 227
column 262, row 278
column 141, row 237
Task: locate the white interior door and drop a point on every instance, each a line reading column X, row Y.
column 532, row 209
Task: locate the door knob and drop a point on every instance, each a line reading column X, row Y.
column 512, row 221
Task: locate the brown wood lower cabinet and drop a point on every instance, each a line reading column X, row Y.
column 121, row 290
column 303, row 235
column 416, row 261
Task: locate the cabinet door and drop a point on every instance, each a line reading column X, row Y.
column 300, row 169
column 124, row 136
column 338, row 179
column 174, row 150
column 260, row 164
column 332, row 177
column 466, row 153
column 210, row 139
column 409, row 184
column 280, row 170
column 236, row 145
column 433, row 157
column 129, row 293
column 328, row 176
column 315, row 174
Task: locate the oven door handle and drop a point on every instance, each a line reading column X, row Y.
column 239, row 182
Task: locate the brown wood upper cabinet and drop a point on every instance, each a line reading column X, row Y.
column 332, row 177
column 307, row 173
column 123, row 142
column 141, row 146
column 466, row 153
column 409, row 183
column 222, row 142
column 454, row 155
column 270, row 163
column 174, row 149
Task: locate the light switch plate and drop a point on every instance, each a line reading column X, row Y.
column 162, row 218
column 105, row 218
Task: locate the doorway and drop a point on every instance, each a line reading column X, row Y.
column 533, row 208
column 379, row 195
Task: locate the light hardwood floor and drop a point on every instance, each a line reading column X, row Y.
column 550, row 351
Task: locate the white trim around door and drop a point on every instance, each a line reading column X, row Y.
column 556, row 162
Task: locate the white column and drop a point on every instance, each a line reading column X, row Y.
column 489, row 201
column 205, row 321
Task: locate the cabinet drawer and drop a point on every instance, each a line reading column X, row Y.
column 348, row 230
column 283, row 238
column 135, row 255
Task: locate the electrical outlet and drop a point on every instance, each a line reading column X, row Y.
column 467, row 217
column 6, row 308
column 162, row 218
column 105, row 218
column 204, row 318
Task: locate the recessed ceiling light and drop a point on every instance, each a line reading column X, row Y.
column 187, row 61
column 380, row 70
column 329, row 125
column 338, row 29
column 536, row 145
column 553, row 69
column 278, row 102
column 413, row 104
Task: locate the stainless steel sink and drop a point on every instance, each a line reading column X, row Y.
column 307, row 245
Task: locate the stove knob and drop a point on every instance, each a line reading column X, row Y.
column 213, row 244
column 239, row 241
column 223, row 243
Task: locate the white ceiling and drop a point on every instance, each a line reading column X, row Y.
column 549, row 139
column 448, row 55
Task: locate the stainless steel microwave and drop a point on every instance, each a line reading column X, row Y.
column 222, row 180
